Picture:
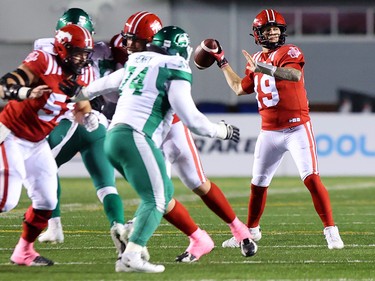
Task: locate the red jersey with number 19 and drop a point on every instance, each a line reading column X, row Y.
column 281, row 103
column 34, row 119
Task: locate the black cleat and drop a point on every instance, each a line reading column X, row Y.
column 248, row 247
column 186, row 257
column 38, row 261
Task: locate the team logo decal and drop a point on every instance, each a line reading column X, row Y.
column 63, row 37
column 182, row 40
column 32, row 56
column 155, row 26
column 294, row 52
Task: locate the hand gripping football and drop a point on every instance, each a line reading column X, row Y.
column 202, row 57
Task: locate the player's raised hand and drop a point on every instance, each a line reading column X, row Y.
column 220, row 56
column 251, row 65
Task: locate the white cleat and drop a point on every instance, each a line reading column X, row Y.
column 132, row 262
column 230, row 243
column 54, row 233
column 129, row 229
column 333, row 238
column 255, row 232
column 118, row 235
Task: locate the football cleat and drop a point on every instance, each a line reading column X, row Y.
column 133, row 262
column 38, row 261
column 256, row 234
column 333, row 238
column 186, row 257
column 248, row 247
column 197, row 248
column 118, row 237
column 54, row 233
column 129, row 228
column 230, row 243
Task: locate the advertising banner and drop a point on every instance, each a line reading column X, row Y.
column 345, row 146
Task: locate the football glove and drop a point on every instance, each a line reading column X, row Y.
column 70, row 87
column 219, row 56
column 228, row 132
column 90, row 121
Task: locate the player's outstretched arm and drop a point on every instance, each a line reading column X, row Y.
column 183, row 105
column 105, row 85
column 16, row 85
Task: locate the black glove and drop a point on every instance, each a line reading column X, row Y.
column 228, row 132
column 70, row 87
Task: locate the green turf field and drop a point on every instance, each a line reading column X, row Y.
column 292, row 247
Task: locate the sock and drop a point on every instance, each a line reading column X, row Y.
column 34, row 222
column 180, row 218
column 25, row 249
column 239, row 230
column 257, row 203
column 216, row 201
column 320, row 199
column 113, row 208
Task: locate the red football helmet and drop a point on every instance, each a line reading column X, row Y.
column 73, row 45
column 141, row 26
column 266, row 18
column 119, row 53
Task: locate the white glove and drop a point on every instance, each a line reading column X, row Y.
column 90, row 121
column 228, row 132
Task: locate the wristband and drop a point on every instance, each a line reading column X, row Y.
column 24, row 93
column 223, row 62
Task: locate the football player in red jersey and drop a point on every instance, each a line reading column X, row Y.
column 35, row 106
column 276, row 75
column 180, row 151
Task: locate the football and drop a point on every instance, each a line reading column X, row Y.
column 202, row 58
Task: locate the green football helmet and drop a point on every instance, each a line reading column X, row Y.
column 173, row 40
column 76, row 16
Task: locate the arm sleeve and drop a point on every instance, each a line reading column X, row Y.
column 180, row 98
column 106, row 85
column 247, row 84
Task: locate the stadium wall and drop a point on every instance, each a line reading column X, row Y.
column 332, row 63
column 345, row 145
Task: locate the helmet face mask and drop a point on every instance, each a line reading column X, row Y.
column 132, row 43
column 76, row 16
column 174, row 41
column 264, row 20
column 73, row 45
column 139, row 30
